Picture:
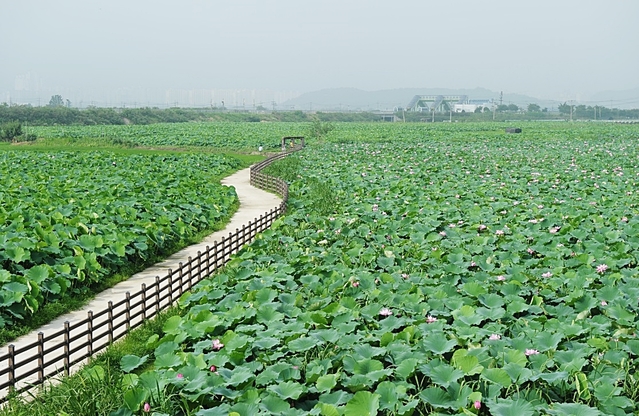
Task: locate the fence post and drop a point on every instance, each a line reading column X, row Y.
column 208, row 258
column 215, row 252
column 157, row 295
column 67, row 347
column 199, row 266
column 90, row 333
column 110, row 314
column 170, row 287
column 128, row 311
column 143, row 302
column 40, row 357
column 181, row 278
column 12, row 369
column 190, row 263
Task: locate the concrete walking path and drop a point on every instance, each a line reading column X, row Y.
column 253, row 203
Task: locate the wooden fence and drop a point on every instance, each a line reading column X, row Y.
column 53, row 354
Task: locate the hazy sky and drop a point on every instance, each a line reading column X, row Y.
column 544, row 48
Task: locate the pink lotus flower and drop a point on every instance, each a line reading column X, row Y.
column 431, row 319
column 147, row 407
column 442, row 233
column 501, row 278
column 482, row 227
column 499, row 232
column 213, row 368
column 602, row 268
column 355, row 284
column 180, row 376
column 553, row 230
column 385, row 312
column 530, row 352
column 546, row 275
column 217, row 345
column 477, row 404
column 494, row 337
column 604, row 303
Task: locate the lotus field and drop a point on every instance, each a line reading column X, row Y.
column 217, row 135
column 450, row 272
column 70, row 219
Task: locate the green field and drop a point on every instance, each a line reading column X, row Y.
column 421, row 269
column 71, row 219
column 220, row 136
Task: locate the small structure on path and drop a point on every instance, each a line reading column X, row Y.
column 292, row 142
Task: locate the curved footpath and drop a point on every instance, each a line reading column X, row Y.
column 253, row 203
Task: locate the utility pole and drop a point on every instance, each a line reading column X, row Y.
column 501, row 98
column 571, row 110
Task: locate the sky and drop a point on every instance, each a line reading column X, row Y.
column 559, row 49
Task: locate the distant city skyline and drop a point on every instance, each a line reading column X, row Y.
column 31, row 89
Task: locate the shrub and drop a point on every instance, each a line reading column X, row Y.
column 9, row 131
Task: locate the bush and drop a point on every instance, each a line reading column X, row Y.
column 9, row 131
column 26, row 137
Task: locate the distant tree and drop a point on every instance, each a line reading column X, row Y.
column 479, row 109
column 564, row 108
column 533, row 108
column 56, row 101
column 502, row 107
column 513, row 108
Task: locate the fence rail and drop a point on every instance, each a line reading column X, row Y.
column 22, row 368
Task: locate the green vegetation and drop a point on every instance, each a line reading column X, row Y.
column 99, row 388
column 63, row 114
column 421, row 269
column 218, row 136
column 71, row 219
column 12, row 132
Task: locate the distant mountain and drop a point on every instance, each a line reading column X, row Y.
column 625, row 99
column 359, row 100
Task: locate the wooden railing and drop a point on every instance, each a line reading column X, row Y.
column 22, row 368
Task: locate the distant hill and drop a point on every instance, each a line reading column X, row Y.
column 625, row 99
column 356, row 99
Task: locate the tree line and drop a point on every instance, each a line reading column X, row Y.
column 60, row 112
column 63, row 114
